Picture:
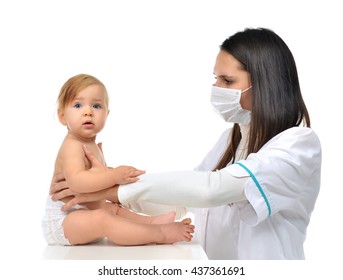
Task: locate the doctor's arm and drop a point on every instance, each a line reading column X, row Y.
column 185, row 188
column 181, row 188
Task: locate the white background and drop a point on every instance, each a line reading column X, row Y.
column 156, row 59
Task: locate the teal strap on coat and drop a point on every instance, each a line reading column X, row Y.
column 257, row 185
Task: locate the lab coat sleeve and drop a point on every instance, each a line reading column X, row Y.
column 185, row 188
column 209, row 162
column 284, row 175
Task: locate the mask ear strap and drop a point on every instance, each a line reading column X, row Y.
column 246, row 89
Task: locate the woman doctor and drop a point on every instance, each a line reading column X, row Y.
column 255, row 191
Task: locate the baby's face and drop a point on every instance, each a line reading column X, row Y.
column 86, row 115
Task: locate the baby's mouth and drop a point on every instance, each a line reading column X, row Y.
column 88, row 124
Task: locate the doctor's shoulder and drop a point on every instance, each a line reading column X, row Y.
column 301, row 135
column 302, row 140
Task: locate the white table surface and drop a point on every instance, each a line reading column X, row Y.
column 106, row 250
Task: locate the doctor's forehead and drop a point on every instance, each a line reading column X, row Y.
column 226, row 65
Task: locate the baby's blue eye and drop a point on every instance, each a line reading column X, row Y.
column 77, row 105
column 97, row 106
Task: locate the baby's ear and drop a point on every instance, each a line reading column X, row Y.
column 61, row 117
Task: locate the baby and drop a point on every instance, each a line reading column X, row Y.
column 83, row 109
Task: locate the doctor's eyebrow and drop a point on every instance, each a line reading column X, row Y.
column 223, row 76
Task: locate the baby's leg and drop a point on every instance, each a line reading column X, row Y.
column 122, row 212
column 84, row 226
column 127, row 232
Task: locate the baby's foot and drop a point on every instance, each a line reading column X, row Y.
column 163, row 219
column 176, row 232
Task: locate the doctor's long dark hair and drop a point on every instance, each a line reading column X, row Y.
column 277, row 103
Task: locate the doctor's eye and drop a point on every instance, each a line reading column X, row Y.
column 227, row 81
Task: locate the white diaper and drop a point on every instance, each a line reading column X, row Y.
column 53, row 220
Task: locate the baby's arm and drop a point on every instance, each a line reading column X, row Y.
column 83, row 180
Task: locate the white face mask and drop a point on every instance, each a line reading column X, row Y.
column 226, row 103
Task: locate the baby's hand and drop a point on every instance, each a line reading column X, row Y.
column 127, row 174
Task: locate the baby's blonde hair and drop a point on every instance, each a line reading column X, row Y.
column 74, row 85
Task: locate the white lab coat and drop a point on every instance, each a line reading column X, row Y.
column 269, row 220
